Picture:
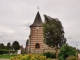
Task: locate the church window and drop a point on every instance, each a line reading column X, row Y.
column 37, row 45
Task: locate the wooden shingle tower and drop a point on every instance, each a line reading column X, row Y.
column 36, row 44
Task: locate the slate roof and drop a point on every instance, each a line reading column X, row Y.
column 37, row 21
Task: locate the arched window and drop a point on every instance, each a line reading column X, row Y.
column 37, row 45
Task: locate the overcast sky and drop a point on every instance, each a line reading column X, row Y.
column 17, row 15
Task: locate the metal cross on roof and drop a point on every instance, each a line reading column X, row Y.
column 38, row 8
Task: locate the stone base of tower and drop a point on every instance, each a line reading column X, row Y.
column 37, row 51
column 40, row 51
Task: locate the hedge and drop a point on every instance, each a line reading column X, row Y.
column 3, row 51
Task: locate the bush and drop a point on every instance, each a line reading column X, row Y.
column 66, row 51
column 11, row 51
column 30, row 57
column 3, row 51
column 72, row 58
column 50, row 55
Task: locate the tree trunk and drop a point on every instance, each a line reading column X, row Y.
column 56, row 52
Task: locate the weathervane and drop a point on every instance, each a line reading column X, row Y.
column 38, row 8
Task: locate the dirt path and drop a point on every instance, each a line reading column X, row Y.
column 4, row 59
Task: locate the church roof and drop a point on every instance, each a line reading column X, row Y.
column 37, row 21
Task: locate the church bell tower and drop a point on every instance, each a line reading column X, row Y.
column 36, row 35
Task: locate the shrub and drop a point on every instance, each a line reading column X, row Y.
column 72, row 58
column 50, row 55
column 66, row 51
column 11, row 51
column 30, row 57
column 3, row 51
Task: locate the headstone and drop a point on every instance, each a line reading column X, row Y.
column 79, row 56
column 19, row 52
column 10, row 53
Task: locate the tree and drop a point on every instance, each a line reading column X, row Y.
column 66, row 51
column 2, row 46
column 8, row 45
column 53, row 33
column 15, row 45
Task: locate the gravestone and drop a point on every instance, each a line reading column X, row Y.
column 19, row 52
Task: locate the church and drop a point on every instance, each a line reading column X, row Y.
column 35, row 42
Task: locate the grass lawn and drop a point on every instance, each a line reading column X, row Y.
column 6, row 56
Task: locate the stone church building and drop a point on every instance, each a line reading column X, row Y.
column 35, row 42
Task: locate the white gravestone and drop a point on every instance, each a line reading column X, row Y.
column 19, row 52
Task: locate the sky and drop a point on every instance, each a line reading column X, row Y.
column 17, row 15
